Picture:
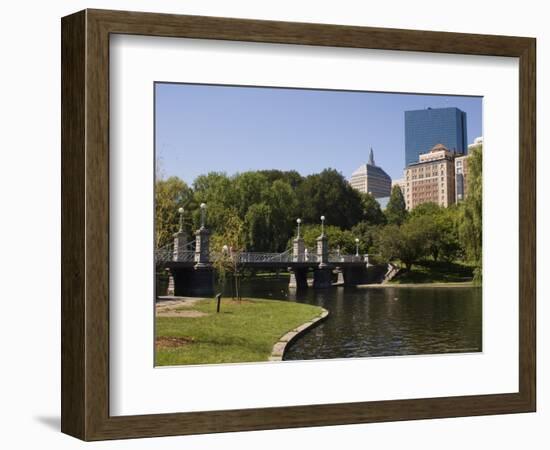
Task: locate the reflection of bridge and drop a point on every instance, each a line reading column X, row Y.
column 190, row 264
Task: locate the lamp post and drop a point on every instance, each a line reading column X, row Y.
column 181, row 211
column 322, row 225
column 203, row 214
column 298, row 221
column 180, row 238
column 356, row 247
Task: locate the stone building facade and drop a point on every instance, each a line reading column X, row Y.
column 401, row 183
column 431, row 179
column 461, row 177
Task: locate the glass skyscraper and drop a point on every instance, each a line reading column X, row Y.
column 425, row 128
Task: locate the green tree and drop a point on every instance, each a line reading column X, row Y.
column 170, row 195
column 372, row 213
column 248, row 187
column 396, row 210
column 258, row 227
column 268, row 208
column 329, row 193
column 217, row 190
column 426, row 209
column 448, row 220
column 440, row 230
column 228, row 246
column 388, row 241
column 283, row 205
column 432, row 234
column 292, row 177
column 367, row 235
column 406, row 243
column 337, row 238
column 471, row 224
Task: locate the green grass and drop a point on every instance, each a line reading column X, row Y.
column 241, row 332
column 436, row 272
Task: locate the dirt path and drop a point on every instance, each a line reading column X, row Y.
column 173, row 307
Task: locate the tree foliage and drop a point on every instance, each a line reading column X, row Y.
column 259, row 229
column 429, row 231
column 367, row 235
column 328, row 193
column 440, row 229
column 269, row 202
column 337, row 238
column 396, row 210
column 228, row 245
column 170, row 195
column 471, row 224
column 218, row 192
column 405, row 243
column 372, row 213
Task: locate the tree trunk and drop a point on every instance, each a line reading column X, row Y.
column 239, row 283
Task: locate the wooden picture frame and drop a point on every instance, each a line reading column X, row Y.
column 85, row 224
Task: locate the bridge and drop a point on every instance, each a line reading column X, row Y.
column 191, row 263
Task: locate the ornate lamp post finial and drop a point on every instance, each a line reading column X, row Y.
column 322, row 225
column 181, row 211
column 203, row 214
column 298, row 221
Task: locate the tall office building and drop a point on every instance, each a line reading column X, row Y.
column 425, row 128
column 372, row 179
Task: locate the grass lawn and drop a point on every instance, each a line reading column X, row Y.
column 436, row 272
column 241, row 332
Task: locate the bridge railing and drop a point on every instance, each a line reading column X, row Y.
column 339, row 258
column 307, row 256
column 166, row 254
column 257, row 257
column 186, row 256
column 190, row 246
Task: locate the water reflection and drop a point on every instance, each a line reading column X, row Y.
column 382, row 322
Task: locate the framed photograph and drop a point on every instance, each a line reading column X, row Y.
column 273, row 225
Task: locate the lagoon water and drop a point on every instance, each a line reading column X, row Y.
column 389, row 321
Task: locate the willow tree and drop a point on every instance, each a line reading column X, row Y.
column 471, row 223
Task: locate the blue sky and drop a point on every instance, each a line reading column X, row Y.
column 203, row 128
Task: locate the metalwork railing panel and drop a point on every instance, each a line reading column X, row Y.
column 166, row 254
